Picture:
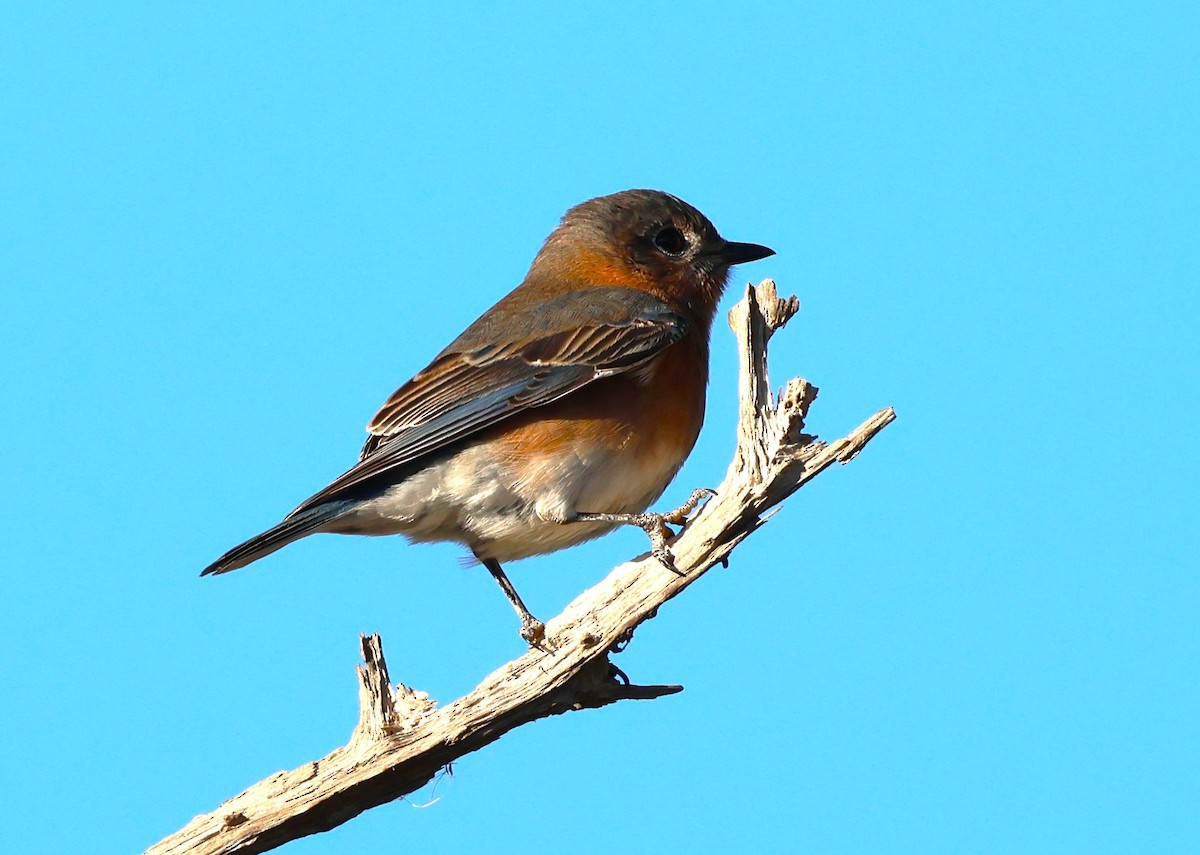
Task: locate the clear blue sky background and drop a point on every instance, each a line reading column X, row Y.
column 229, row 231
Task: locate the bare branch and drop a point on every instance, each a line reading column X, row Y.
column 403, row 739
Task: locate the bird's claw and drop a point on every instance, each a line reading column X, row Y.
column 680, row 515
column 534, row 632
column 666, row 559
column 655, row 525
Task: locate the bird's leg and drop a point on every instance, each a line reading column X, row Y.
column 655, row 525
column 532, row 629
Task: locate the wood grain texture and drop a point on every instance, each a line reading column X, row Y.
column 403, row 739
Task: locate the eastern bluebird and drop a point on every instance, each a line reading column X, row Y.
column 561, row 413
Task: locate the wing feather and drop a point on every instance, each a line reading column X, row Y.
column 475, row 384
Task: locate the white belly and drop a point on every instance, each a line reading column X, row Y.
column 507, row 509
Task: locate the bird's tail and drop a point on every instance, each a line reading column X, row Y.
column 293, row 528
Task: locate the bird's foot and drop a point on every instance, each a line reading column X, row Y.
column 680, row 515
column 656, row 525
column 533, row 631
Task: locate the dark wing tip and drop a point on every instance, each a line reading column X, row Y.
column 221, row 565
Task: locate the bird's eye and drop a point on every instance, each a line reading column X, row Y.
column 671, row 241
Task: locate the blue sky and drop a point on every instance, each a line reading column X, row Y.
column 229, row 231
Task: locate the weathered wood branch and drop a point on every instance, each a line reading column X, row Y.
column 403, row 739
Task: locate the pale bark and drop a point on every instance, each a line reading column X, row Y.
column 403, row 739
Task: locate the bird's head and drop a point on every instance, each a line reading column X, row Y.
column 645, row 239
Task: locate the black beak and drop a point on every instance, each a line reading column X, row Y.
column 732, row 252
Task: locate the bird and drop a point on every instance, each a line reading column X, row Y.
column 563, row 412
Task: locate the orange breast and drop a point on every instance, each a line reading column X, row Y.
column 650, row 417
